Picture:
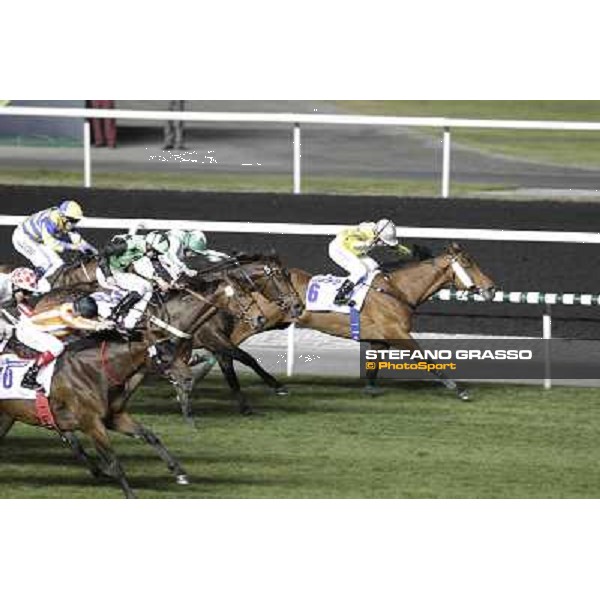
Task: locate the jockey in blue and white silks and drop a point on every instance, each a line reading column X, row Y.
column 45, row 235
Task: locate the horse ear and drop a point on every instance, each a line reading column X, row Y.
column 454, row 247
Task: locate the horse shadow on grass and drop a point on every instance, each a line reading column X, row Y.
column 304, row 398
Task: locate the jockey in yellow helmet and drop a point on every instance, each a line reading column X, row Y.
column 45, row 235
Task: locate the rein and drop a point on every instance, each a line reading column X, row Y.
column 85, row 271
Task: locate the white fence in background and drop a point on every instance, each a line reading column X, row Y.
column 296, row 120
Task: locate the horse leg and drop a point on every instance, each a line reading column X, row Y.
column 125, row 424
column 112, row 465
column 371, row 387
column 183, row 389
column 409, row 343
column 249, row 360
column 226, row 363
column 6, row 423
column 201, row 363
column 72, row 441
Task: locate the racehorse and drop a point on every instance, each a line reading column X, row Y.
column 387, row 313
column 270, row 285
column 91, row 388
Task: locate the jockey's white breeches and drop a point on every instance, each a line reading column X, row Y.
column 357, row 266
column 41, row 257
column 131, row 283
column 40, row 341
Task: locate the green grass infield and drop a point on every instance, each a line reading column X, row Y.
column 328, row 440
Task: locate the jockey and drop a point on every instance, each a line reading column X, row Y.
column 41, row 332
column 139, row 253
column 174, row 259
column 19, row 285
column 192, row 243
column 351, row 246
column 43, row 236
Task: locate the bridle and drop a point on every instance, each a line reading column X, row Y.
column 274, row 275
column 235, row 306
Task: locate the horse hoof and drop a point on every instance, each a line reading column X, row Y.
column 247, row 412
column 182, row 480
column 371, row 390
column 464, row 395
column 282, row 391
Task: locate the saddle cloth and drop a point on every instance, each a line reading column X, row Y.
column 12, row 370
column 322, row 290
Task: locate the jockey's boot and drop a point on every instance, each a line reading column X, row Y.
column 125, row 305
column 344, row 292
column 135, row 311
column 30, row 381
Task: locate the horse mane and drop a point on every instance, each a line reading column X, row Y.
column 73, row 264
column 66, row 293
column 250, row 257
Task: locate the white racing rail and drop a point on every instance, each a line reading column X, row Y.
column 515, row 235
column 296, row 120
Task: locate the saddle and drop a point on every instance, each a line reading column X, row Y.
column 322, row 290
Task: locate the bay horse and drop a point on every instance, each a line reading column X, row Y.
column 387, row 314
column 270, row 285
column 91, row 388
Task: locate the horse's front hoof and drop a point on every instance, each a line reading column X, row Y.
column 182, row 479
column 282, row 391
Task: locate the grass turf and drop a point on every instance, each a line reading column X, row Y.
column 241, row 183
column 560, row 147
column 328, row 440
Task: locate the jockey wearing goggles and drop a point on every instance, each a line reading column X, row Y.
column 45, row 235
column 351, row 246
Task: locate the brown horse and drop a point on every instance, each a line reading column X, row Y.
column 91, row 389
column 271, row 288
column 387, row 313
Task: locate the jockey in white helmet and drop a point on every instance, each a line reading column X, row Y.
column 351, row 246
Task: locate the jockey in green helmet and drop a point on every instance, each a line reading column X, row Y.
column 187, row 243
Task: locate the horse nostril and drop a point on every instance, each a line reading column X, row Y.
column 261, row 321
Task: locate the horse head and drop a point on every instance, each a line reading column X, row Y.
column 272, row 281
column 467, row 274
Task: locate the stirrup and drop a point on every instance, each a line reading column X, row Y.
column 344, row 293
column 30, row 382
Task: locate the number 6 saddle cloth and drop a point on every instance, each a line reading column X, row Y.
column 12, row 370
column 322, row 290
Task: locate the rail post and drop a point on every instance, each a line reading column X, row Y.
column 296, row 158
column 547, row 335
column 446, row 163
column 87, row 155
column 290, row 349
